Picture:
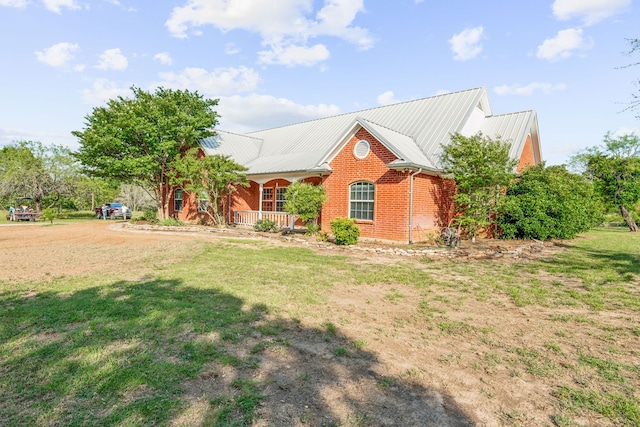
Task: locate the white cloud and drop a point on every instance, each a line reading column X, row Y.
column 9, row 136
column 387, row 98
column 164, row 58
column 591, row 11
column 57, row 55
column 563, row 45
column 112, row 59
column 103, row 90
column 529, row 89
column 14, row 3
column 294, row 55
column 467, row 44
column 255, row 112
column 57, row 5
column 215, row 83
column 625, row 131
column 231, row 49
column 282, row 24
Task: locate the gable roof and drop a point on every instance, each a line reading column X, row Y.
column 414, row 131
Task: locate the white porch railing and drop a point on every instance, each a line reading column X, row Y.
column 249, row 218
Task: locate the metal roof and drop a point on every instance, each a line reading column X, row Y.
column 512, row 127
column 413, row 130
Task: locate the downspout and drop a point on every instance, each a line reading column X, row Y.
column 411, row 204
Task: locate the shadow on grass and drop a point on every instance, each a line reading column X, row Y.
column 157, row 352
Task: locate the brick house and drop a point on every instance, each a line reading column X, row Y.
column 379, row 166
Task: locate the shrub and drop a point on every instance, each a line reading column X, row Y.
column 305, row 201
column 322, row 236
column 548, row 203
column 150, row 215
column 312, row 229
column 345, row 230
column 266, row 225
column 171, row 222
column 48, row 214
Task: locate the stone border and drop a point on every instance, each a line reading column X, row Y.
column 534, row 246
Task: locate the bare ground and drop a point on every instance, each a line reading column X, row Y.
column 404, row 372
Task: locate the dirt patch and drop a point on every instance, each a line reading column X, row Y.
column 392, row 361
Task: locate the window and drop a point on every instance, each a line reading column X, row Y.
column 177, row 200
column 280, row 198
column 267, row 199
column 361, row 149
column 361, row 201
column 203, row 202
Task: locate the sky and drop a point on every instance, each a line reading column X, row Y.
column 276, row 62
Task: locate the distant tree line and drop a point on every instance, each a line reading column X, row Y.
column 50, row 176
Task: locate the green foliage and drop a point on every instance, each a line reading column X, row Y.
column 345, row 231
column 548, row 203
column 215, row 176
column 49, row 214
column 482, row 169
column 46, row 174
column 140, row 139
column 150, row 215
column 312, row 229
column 304, row 200
column 171, row 222
column 614, row 168
column 265, row 225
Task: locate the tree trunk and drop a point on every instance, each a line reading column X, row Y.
column 633, row 227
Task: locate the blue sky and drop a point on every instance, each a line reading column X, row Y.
column 274, row 62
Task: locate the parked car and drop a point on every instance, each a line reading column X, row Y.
column 117, row 213
column 114, row 210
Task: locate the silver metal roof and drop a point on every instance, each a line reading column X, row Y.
column 514, row 128
column 414, row 131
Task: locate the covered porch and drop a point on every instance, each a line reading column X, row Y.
column 249, row 218
column 265, row 199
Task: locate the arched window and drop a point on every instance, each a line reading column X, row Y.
column 361, row 200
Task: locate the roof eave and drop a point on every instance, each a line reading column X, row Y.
column 404, row 166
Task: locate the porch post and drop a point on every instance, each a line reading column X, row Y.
column 260, row 203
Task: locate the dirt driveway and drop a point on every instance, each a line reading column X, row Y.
column 443, row 379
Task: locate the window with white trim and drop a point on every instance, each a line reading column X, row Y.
column 267, row 199
column 203, row 202
column 280, row 198
column 361, row 149
column 361, row 200
column 177, row 200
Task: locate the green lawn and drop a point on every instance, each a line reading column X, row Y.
column 110, row 351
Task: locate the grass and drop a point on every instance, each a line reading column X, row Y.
column 115, row 351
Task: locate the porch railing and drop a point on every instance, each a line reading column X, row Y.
column 249, row 218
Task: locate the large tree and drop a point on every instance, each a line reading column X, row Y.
column 614, row 168
column 482, row 169
column 211, row 178
column 46, row 174
column 139, row 140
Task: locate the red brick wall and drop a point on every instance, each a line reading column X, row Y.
column 527, row 157
column 391, row 190
column 432, row 204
